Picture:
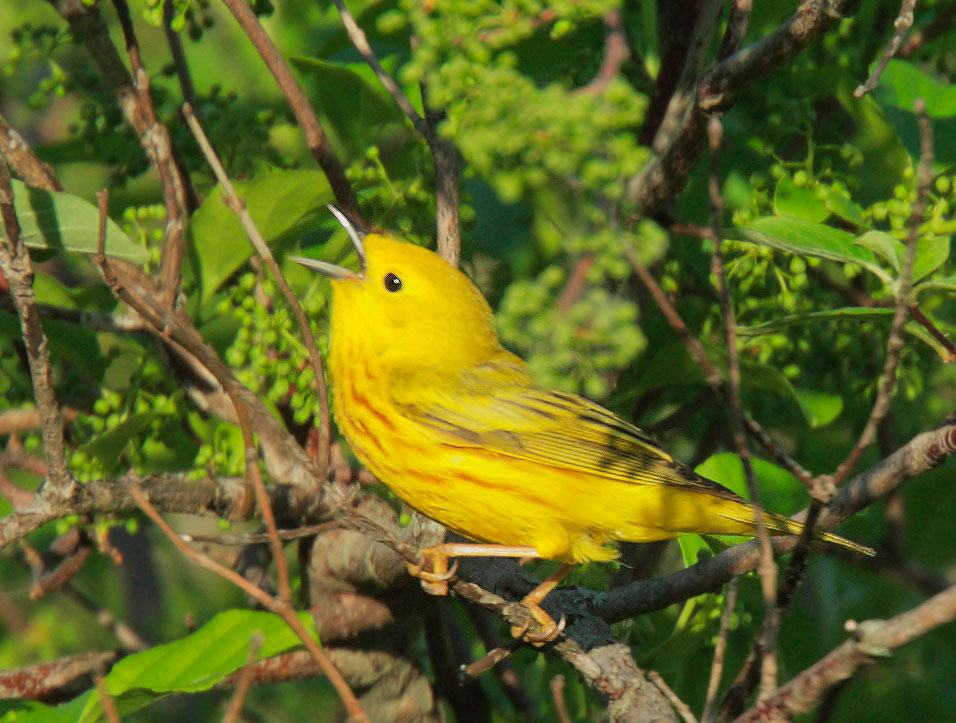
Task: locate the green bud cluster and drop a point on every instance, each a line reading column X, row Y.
column 266, row 352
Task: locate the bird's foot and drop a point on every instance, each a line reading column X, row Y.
column 549, row 628
column 433, row 571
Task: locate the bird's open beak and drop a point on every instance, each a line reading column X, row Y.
column 332, row 270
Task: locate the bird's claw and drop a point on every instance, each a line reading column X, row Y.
column 549, row 629
column 434, row 582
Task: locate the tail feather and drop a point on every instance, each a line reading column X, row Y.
column 780, row 525
column 784, row 525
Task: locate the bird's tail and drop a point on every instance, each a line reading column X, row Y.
column 784, row 526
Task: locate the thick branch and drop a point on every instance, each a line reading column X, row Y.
column 874, row 640
column 16, row 268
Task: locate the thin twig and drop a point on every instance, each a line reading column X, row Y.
column 16, row 268
column 244, row 681
column 615, row 54
column 894, row 345
column 253, row 473
column 680, row 706
column 446, row 159
column 901, row 25
column 276, row 605
column 927, row 323
column 175, row 43
column 238, row 206
column 874, row 640
column 315, row 137
column 106, row 700
column 357, row 36
column 939, row 25
column 557, row 692
column 767, row 569
column 21, row 158
column 178, row 195
column 720, row 649
column 93, row 320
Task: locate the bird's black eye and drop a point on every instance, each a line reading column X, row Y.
column 392, row 282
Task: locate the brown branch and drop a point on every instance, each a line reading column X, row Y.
column 894, row 345
column 720, row 649
column 927, row 324
column 106, row 700
column 920, row 454
column 557, row 693
column 279, row 606
column 57, row 680
column 285, row 459
column 736, row 28
column 21, row 158
column 93, row 320
column 16, row 268
column 616, row 54
column 767, row 569
column 238, row 206
column 666, row 174
column 175, row 42
column 712, row 374
column 23, row 420
column 171, row 493
column 444, row 153
column 360, row 41
column 939, row 25
column 903, row 22
column 243, row 681
column 680, row 706
column 446, row 159
column 132, row 93
column 315, row 137
column 874, row 640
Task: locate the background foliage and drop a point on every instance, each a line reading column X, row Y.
column 819, row 187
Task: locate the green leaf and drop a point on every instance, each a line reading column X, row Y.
column 795, row 201
column 820, row 408
column 855, row 313
column 843, row 206
column 901, row 84
column 931, row 253
column 196, row 662
column 806, row 238
column 355, row 108
column 882, row 243
column 63, row 222
column 110, row 446
column 280, row 205
column 948, row 283
column 780, row 491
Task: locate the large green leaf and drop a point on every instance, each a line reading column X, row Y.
column 279, row 203
column 194, row 663
column 353, row 106
column 901, row 84
column 795, row 201
column 931, row 253
column 820, row 408
column 847, row 313
column 780, row 491
column 807, row 238
column 63, row 222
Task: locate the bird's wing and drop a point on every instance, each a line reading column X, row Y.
column 499, row 409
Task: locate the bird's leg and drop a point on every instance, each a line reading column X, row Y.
column 435, row 580
column 532, row 601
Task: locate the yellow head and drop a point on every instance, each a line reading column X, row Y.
column 407, row 307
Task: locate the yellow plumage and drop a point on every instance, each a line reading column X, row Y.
column 453, row 424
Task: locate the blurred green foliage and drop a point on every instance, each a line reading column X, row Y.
column 819, row 188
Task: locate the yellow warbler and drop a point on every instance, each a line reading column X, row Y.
column 454, row 425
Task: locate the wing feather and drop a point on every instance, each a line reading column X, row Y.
column 497, row 407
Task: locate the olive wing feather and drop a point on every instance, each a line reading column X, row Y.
column 506, row 413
